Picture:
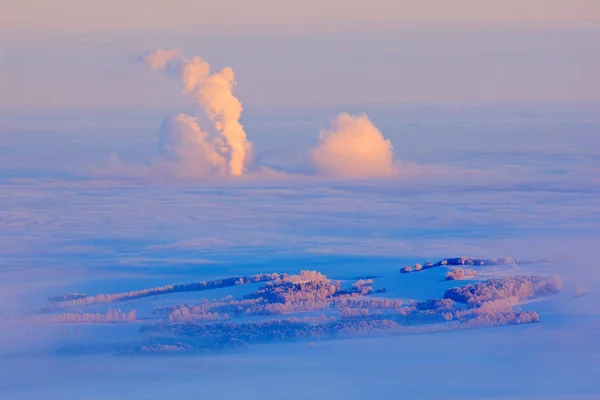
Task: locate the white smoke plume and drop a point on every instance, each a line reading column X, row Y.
column 189, row 148
column 158, row 59
column 354, row 148
column 182, row 136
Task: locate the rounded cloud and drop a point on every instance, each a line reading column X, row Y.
column 353, row 148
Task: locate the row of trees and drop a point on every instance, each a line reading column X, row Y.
column 111, row 316
column 66, row 297
column 458, row 261
column 183, row 314
column 309, row 286
column 371, row 303
column 522, row 287
column 501, row 318
column 307, row 291
column 493, row 303
column 207, row 335
column 459, row 274
column 188, row 287
column 354, row 322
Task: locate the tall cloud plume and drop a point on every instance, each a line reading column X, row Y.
column 224, row 151
column 354, row 148
column 189, row 149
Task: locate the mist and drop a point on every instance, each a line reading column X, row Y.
column 328, row 211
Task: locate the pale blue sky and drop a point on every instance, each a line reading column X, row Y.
column 66, row 53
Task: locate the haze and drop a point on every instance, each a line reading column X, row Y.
column 223, row 16
column 309, row 199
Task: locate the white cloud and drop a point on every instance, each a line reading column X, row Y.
column 354, row 148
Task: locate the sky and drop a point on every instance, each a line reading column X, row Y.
column 206, row 16
column 73, row 54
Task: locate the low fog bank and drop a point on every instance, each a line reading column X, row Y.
column 499, row 145
column 349, row 369
column 530, row 196
column 554, row 358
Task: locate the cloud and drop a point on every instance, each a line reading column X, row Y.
column 354, row 148
column 190, row 151
column 159, row 59
column 213, row 93
column 213, row 145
